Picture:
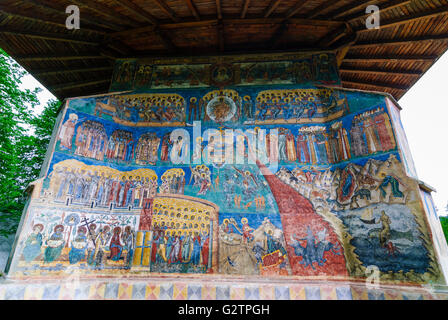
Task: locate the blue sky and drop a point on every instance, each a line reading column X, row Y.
column 425, row 120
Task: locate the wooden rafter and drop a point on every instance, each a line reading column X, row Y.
column 390, row 58
column 410, row 73
column 43, row 57
column 80, row 84
column 278, row 35
column 374, row 84
column 317, row 11
column 410, row 18
column 245, row 7
column 48, row 36
column 221, row 36
column 401, row 41
column 105, row 11
column 194, row 11
column 294, row 10
column 388, row 5
column 137, row 10
column 272, row 6
column 344, row 48
column 352, row 6
column 218, row 9
column 50, row 7
column 43, row 20
column 334, row 36
column 47, row 72
column 168, row 44
column 165, row 8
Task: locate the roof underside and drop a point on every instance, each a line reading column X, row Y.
column 412, row 36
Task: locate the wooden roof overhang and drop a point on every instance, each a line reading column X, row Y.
column 413, row 34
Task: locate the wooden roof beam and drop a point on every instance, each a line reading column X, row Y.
column 80, row 84
column 138, row 11
column 278, row 35
column 194, row 11
column 408, row 73
column 218, row 9
column 349, row 8
column 272, row 6
column 135, row 32
column 374, row 84
column 245, row 7
column 73, row 56
column 47, row 20
column 401, row 41
column 334, row 36
column 51, row 8
column 325, row 6
column 390, row 58
column 167, row 43
column 220, row 36
column 48, row 72
column 410, row 18
column 105, row 11
column 165, row 8
column 48, row 36
column 388, row 5
column 344, row 48
column 299, row 5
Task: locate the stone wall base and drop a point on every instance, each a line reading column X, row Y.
column 151, row 289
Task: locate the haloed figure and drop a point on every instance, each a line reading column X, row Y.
column 115, row 245
column 79, row 246
column 55, row 244
column 33, row 243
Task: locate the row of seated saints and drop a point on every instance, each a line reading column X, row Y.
column 370, row 133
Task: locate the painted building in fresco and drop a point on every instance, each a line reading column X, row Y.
column 260, row 166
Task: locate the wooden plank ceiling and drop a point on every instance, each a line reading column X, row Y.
column 413, row 35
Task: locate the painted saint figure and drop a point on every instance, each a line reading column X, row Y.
column 67, row 132
column 78, row 247
column 55, row 244
column 33, row 243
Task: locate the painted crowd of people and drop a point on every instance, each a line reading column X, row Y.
column 120, row 146
column 90, row 244
column 149, row 108
column 189, row 247
column 88, row 187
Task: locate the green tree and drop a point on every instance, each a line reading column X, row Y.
column 24, row 137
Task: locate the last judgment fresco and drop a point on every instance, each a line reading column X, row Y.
column 199, row 173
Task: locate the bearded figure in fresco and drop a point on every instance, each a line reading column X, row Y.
column 67, row 132
column 55, row 244
column 33, row 243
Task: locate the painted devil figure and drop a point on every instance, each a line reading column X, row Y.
column 314, row 249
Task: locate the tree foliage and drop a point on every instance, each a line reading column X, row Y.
column 444, row 223
column 24, row 137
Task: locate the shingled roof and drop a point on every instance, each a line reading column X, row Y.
column 413, row 35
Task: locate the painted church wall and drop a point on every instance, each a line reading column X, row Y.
column 307, row 182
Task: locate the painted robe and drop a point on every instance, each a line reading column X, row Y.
column 33, row 246
column 303, row 152
column 53, row 253
column 66, row 134
column 78, row 254
column 385, row 133
column 290, row 148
